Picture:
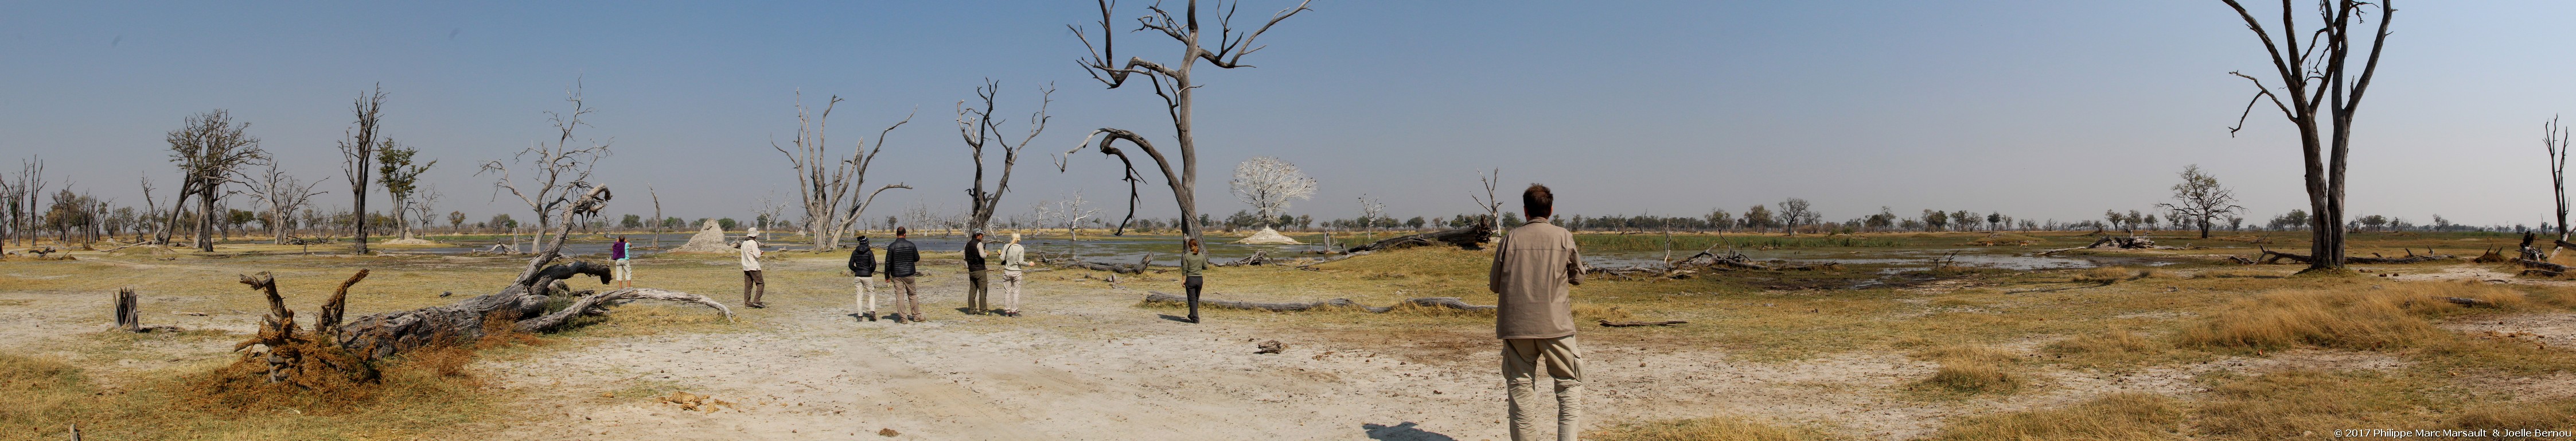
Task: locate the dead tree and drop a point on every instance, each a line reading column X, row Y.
column 2554, row 138
column 2200, row 198
column 1267, row 184
column 824, row 188
column 1172, row 82
column 282, row 195
column 560, row 168
column 2318, row 78
column 979, row 129
column 522, row 303
column 210, row 152
column 1471, row 237
column 357, row 154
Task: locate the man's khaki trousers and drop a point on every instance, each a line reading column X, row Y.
column 1521, row 360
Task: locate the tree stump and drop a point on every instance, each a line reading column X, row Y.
column 128, row 310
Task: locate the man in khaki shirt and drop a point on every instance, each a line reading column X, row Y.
column 1534, row 268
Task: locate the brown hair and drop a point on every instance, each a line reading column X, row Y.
column 1537, row 201
column 1191, row 245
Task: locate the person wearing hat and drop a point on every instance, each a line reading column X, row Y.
column 900, row 258
column 863, row 264
column 975, row 299
column 752, row 285
column 1015, row 260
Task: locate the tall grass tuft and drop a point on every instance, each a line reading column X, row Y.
column 1970, row 369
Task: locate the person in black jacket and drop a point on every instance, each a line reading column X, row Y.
column 900, row 257
column 975, row 303
column 863, row 264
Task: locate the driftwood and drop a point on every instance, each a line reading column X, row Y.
column 2492, row 255
column 1138, row 268
column 1426, row 302
column 2273, row 257
column 2539, row 268
column 1257, row 258
column 1472, row 238
column 1608, row 323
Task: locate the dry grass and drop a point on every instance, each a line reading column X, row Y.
column 2391, row 317
column 414, row 400
column 2114, row 274
column 2115, row 417
column 2552, row 414
column 2113, row 350
column 1716, row 428
column 2231, row 273
column 2304, row 404
column 1969, row 369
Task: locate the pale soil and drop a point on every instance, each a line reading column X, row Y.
column 1088, row 363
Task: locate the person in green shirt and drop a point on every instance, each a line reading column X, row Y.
column 1193, row 265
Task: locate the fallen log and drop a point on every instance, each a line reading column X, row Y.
column 2270, row 257
column 1138, row 268
column 390, row 333
column 2469, row 302
column 597, row 304
column 1472, row 238
column 1257, row 258
column 1159, row 297
column 1608, row 323
column 1425, row 302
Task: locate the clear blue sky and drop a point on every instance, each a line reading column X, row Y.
column 2040, row 109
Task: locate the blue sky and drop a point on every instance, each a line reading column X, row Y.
column 2037, row 109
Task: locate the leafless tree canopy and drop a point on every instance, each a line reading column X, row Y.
column 210, row 152
column 824, row 180
column 2200, row 200
column 555, row 174
column 281, row 195
column 979, row 128
column 2319, row 78
column 1268, row 184
column 1173, row 83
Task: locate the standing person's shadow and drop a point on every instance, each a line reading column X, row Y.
column 1405, row 431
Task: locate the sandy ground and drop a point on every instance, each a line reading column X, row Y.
column 1087, row 363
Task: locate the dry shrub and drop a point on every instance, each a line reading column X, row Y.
column 1715, row 428
column 2389, row 318
column 2290, row 404
column 1594, row 311
column 1970, row 369
column 2115, row 348
column 500, row 330
column 2115, row 417
column 331, row 379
